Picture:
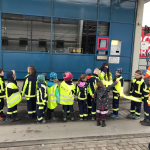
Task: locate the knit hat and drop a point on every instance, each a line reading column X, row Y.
column 119, row 70
column 41, row 78
column 53, row 76
column 68, row 76
column 88, row 71
column 144, row 72
column 45, row 75
column 10, row 76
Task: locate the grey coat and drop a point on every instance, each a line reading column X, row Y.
column 101, row 97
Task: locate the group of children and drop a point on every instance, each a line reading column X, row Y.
column 92, row 91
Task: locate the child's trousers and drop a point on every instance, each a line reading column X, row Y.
column 83, row 113
column 40, row 111
column 146, row 109
column 136, row 108
column 31, row 106
column 12, row 111
column 93, row 112
column 1, row 105
column 89, row 103
column 115, row 104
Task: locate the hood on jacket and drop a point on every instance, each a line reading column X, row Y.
column 50, row 84
column 81, row 84
column 10, row 76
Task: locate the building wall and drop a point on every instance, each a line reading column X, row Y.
column 121, row 14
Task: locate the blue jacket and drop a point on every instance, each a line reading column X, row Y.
column 137, row 89
column 29, row 86
column 82, row 90
column 41, row 94
column 93, row 80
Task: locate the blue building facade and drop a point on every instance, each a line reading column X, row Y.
column 62, row 35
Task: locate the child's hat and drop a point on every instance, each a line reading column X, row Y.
column 41, row 78
column 53, row 76
column 119, row 70
column 143, row 72
column 88, row 71
column 68, row 76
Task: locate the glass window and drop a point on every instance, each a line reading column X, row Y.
column 103, row 28
column 25, row 33
column 74, row 36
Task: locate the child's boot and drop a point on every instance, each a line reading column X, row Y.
column 52, row 116
column 103, row 123
column 72, row 116
column 98, row 122
column 65, row 116
column 48, row 114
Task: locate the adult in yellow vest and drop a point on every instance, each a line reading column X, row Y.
column 13, row 96
column 67, row 92
column 105, row 75
column 53, row 95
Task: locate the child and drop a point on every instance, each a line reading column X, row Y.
column 138, row 89
column 41, row 98
column 2, row 93
column 146, row 77
column 13, row 96
column 67, row 92
column 102, row 101
column 116, row 95
column 105, row 75
column 29, row 89
column 53, row 95
column 82, row 91
column 88, row 72
column 93, row 84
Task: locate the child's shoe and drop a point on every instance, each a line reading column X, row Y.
column 65, row 119
column 136, row 117
column 81, row 119
column 85, row 119
column 98, row 123
column 130, row 115
column 72, row 116
column 114, row 116
column 93, row 118
column 16, row 118
column 9, row 119
column 44, row 121
column 103, row 123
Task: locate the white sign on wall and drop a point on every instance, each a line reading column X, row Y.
column 114, row 60
column 144, row 45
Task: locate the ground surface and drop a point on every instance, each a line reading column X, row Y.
column 119, row 133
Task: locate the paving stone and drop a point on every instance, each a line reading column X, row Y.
column 68, row 148
column 80, row 146
column 123, row 143
column 119, row 147
column 92, row 146
column 115, row 148
column 126, row 147
column 109, row 148
column 137, row 147
column 103, row 148
column 56, row 149
column 133, row 143
column 102, row 145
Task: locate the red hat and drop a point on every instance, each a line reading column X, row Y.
column 68, row 76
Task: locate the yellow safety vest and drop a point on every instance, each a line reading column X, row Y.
column 105, row 82
column 15, row 98
column 66, row 95
column 52, row 99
